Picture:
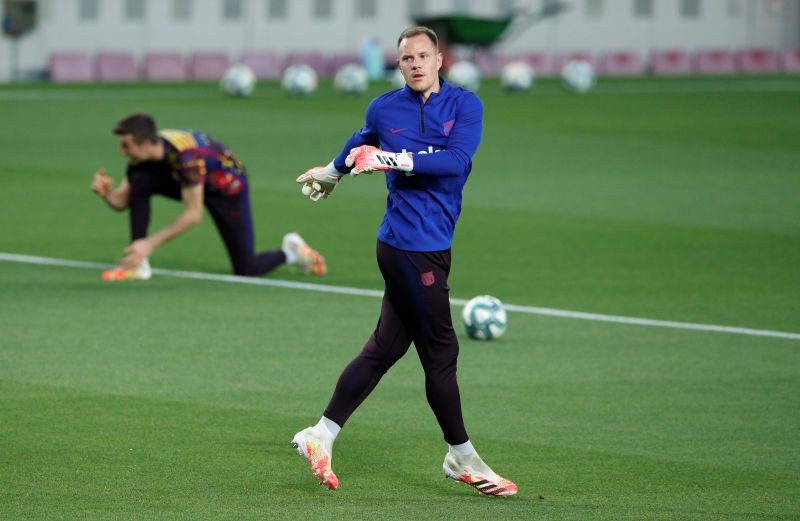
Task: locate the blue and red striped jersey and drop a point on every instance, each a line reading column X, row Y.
column 195, row 158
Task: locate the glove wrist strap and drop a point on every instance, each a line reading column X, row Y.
column 331, row 170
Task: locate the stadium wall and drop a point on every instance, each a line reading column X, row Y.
column 340, row 26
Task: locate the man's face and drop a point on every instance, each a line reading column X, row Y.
column 135, row 152
column 419, row 61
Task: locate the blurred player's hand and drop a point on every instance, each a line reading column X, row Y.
column 319, row 182
column 139, row 250
column 101, row 183
column 366, row 159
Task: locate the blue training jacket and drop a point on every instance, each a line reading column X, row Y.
column 422, row 206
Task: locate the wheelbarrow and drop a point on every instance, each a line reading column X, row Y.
column 476, row 31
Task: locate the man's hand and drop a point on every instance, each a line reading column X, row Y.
column 138, row 250
column 366, row 159
column 101, row 183
column 319, row 182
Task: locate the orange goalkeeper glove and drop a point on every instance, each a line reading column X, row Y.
column 366, row 159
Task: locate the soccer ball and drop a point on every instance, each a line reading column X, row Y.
column 396, row 79
column 465, row 74
column 351, row 79
column 238, row 81
column 299, row 79
column 484, row 318
column 517, row 76
column 578, row 76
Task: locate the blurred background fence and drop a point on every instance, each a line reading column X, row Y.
column 124, row 40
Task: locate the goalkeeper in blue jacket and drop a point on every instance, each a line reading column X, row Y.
column 422, row 137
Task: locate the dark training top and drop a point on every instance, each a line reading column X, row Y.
column 193, row 157
column 423, row 206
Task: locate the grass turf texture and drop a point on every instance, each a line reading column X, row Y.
column 176, row 399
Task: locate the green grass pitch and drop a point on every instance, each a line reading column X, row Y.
column 176, row 399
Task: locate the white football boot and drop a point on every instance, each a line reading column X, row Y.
column 307, row 258
column 120, row 274
column 471, row 469
column 316, row 445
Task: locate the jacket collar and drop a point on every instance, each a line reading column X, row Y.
column 443, row 88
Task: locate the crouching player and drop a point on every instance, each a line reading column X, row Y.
column 191, row 167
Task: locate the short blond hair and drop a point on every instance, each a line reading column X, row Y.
column 416, row 31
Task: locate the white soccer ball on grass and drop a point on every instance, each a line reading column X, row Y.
column 517, row 76
column 578, row 76
column 396, row 79
column 299, row 79
column 484, row 318
column 465, row 74
column 351, row 79
column 238, row 81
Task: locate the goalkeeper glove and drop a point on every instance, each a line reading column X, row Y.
column 366, row 159
column 320, row 181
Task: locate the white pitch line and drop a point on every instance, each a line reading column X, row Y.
column 160, row 94
column 343, row 290
column 676, row 86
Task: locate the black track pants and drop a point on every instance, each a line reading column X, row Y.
column 416, row 308
column 231, row 215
